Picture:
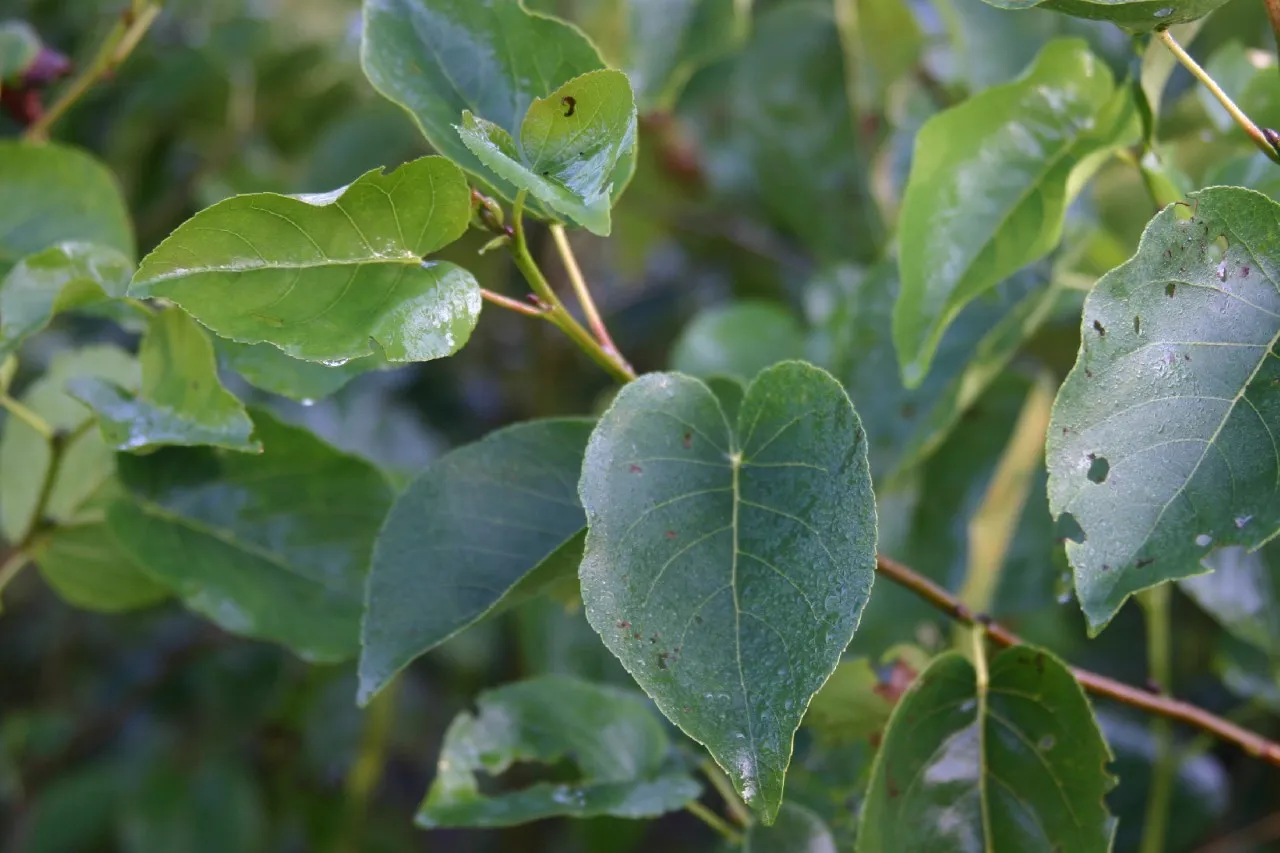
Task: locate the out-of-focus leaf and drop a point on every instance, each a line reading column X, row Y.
column 1015, row 764
column 616, row 743
column 1255, row 172
column 883, row 38
column 851, row 705
column 274, row 546
column 76, row 812
column 19, row 46
column 1137, row 16
column 738, row 340
column 571, row 145
column 1160, row 447
column 181, row 402
column 53, row 194
column 484, row 527
column 215, row 809
column 796, row 830
column 668, row 40
column 86, row 566
column 322, row 277
column 726, row 564
column 989, row 188
column 57, row 279
column 1242, row 593
column 267, row 367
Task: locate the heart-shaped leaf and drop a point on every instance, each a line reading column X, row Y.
column 482, row 528
column 320, row 275
column 1012, row 763
column 619, row 747
column 989, row 188
column 727, row 563
column 1137, row 16
column 181, row 402
column 1162, row 443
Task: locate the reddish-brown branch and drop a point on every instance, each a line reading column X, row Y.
column 512, row 304
column 1153, row 703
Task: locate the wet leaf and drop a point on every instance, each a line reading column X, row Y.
column 180, row 402
column 274, row 546
column 266, row 367
column 485, row 526
column 1161, row 446
column 797, row 830
column 1016, row 765
column 739, row 340
column 726, row 564
column 989, row 187
column 320, row 275
column 616, row 743
column 1134, row 15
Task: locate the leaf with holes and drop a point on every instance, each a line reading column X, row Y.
column 989, row 188
column 320, row 275
column 484, row 527
column 1163, row 442
column 618, row 745
column 1137, row 16
column 1013, row 764
column 727, row 563
column 181, row 402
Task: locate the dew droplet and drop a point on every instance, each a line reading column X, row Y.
column 1163, row 13
column 337, row 362
column 1046, row 743
column 1242, row 520
column 307, row 401
column 1204, row 540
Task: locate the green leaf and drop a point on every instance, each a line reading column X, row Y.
column 492, row 58
column 1243, row 594
column 181, row 402
column 273, row 546
column 851, row 705
column 266, row 367
column 571, row 143
column 797, row 830
column 1017, row 764
column 989, row 187
column 215, row 807
column 1137, row 16
column 19, row 46
column 668, row 41
column 885, row 37
column 739, row 340
column 616, row 743
column 1161, row 445
column 1255, row 172
column 52, row 194
column 726, row 564
column 57, row 279
column 26, row 456
column 320, row 275
column 86, row 567
column 484, row 527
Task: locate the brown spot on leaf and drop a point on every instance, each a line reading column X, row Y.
column 636, row 469
column 688, row 441
column 671, row 534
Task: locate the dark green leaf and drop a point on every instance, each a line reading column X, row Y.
column 767, row 527
column 1015, row 765
column 181, row 402
column 216, row 808
column 989, row 187
column 273, row 546
column 53, row 194
column 266, row 367
column 616, row 743
column 668, row 41
column 57, row 279
column 1161, row 446
column 797, row 830
column 571, row 143
column 19, row 46
column 483, row 527
column 738, row 340
column 86, row 566
column 319, row 276
column 1243, row 594
column 1134, row 15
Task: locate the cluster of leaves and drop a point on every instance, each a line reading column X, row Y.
column 945, row 213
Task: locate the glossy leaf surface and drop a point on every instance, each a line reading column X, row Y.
column 180, row 402
column 480, row 529
column 727, row 563
column 989, row 187
column 319, row 276
column 1019, row 765
column 616, row 743
column 1162, row 446
column 738, row 340
column 273, row 546
column 1133, row 15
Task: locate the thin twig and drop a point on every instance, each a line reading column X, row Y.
column 27, row 416
column 594, row 321
column 1260, row 137
column 714, row 821
column 1252, row 743
column 512, row 304
column 113, row 51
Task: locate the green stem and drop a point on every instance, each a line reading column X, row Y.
column 714, row 821
column 27, row 416
column 9, row 569
column 113, row 51
column 1155, row 605
column 579, row 283
column 367, row 769
column 737, row 809
column 983, row 679
column 1259, row 137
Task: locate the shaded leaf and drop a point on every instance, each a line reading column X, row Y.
column 668, row 40
column 1161, row 446
column 273, row 546
column 851, row 705
column 1242, row 593
column 215, row 807
column 57, row 279
column 797, row 830
column 618, row 747
column 739, row 340
column 266, row 367
column 1134, row 15
column 989, row 187
column 180, row 402
column 19, row 46
column 767, row 527
column 86, row 567
column 53, row 194
column 320, row 275
column 1015, row 765
column 485, row 526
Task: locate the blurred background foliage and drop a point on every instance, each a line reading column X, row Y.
column 761, row 197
